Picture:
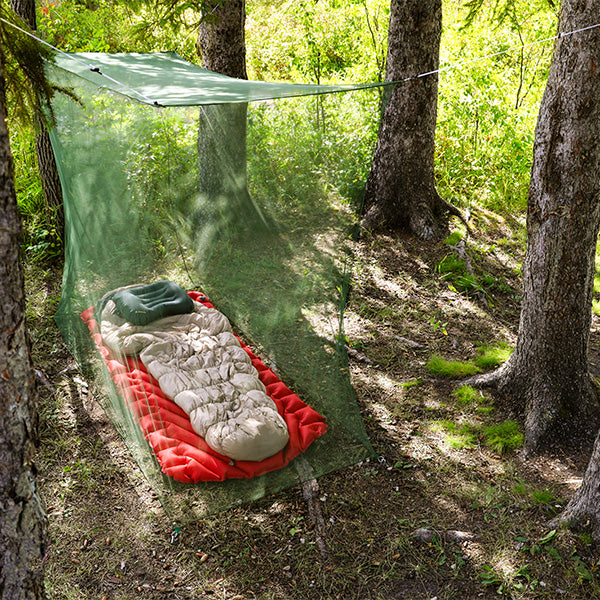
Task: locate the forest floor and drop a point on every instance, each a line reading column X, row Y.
column 441, row 467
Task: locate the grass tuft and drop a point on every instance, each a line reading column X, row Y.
column 451, row 368
column 451, row 264
column 466, row 395
column 492, row 356
column 504, row 437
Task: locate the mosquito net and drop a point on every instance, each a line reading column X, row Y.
column 244, row 195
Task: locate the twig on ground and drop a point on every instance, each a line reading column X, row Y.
column 310, row 491
column 45, row 381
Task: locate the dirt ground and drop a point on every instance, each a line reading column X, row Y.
column 439, row 514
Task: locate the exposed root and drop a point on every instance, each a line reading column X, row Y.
column 455, row 212
column 491, row 380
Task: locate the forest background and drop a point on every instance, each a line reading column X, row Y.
column 421, row 316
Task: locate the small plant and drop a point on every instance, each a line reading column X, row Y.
column 437, row 324
column 451, row 368
column 493, row 356
column 504, row 437
column 545, row 497
column 489, row 577
column 451, row 265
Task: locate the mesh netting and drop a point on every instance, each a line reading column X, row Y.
column 251, row 204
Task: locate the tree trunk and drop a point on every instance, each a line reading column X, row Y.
column 582, row 513
column 400, row 192
column 26, row 10
column 548, row 371
column 222, row 128
column 51, row 187
column 22, row 519
column 222, row 40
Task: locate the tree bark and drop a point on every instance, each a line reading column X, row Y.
column 26, row 10
column 222, row 128
column 400, row 191
column 22, row 519
column 222, row 40
column 582, row 513
column 51, row 187
column 548, row 371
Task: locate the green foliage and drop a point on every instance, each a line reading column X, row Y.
column 111, row 26
column 317, row 41
column 23, row 62
column 40, row 238
column 504, row 437
column 451, row 368
column 487, row 109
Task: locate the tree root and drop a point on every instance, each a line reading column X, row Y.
column 491, row 380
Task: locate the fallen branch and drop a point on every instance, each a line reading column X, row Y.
column 359, row 356
column 310, row 491
column 450, row 535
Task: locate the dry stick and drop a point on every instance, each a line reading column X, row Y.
column 359, row 356
column 310, row 492
column 44, row 380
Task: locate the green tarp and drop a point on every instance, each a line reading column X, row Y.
column 166, row 79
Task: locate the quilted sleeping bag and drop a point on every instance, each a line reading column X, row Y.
column 201, row 366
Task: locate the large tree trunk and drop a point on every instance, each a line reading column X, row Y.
column 51, row 187
column 222, row 40
column 400, row 192
column 26, row 10
column 22, row 520
column 583, row 511
column 222, row 128
column 548, row 372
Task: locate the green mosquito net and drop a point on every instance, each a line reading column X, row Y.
column 246, row 196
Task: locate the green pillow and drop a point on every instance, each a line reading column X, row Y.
column 146, row 303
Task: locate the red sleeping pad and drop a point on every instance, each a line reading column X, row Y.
column 182, row 453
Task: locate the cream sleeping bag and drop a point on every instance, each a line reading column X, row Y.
column 201, row 366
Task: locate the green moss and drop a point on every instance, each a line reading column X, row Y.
column 504, row 437
column 490, row 356
column 466, row 395
column 451, row 368
column 458, row 435
column 453, row 238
